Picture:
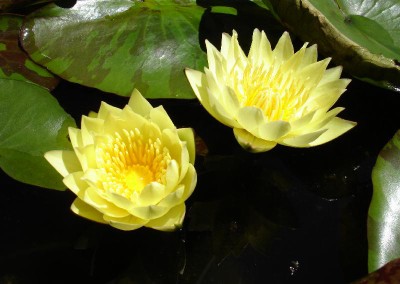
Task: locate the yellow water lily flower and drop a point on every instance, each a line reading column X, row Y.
column 129, row 167
column 271, row 97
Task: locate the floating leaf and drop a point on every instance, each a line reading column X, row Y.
column 384, row 210
column 31, row 123
column 361, row 35
column 118, row 45
column 14, row 62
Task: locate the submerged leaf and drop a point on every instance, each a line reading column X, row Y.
column 14, row 62
column 31, row 123
column 384, row 210
column 361, row 35
column 119, row 45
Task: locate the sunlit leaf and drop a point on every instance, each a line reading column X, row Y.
column 31, row 123
column 14, row 62
column 118, row 45
column 361, row 35
column 384, row 211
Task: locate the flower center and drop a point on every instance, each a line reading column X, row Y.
column 280, row 94
column 129, row 161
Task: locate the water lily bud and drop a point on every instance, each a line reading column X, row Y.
column 129, row 167
column 271, row 97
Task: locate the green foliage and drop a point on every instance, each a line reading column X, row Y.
column 361, row 35
column 14, row 62
column 117, row 46
column 31, row 123
column 384, row 210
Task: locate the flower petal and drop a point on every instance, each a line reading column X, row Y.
column 260, row 49
column 274, row 130
column 189, row 182
column 92, row 198
column 284, row 48
column 151, row 194
column 89, row 127
column 149, row 212
column 75, row 136
column 84, row 210
column 252, row 143
column 139, row 104
column 187, row 135
column 250, row 118
column 173, row 199
column 65, row 162
column 127, row 223
column 336, row 127
column 303, row 140
column 76, row 184
column 160, row 117
column 106, row 110
column 170, row 221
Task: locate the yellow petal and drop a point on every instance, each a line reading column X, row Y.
column 284, row 48
column 189, row 182
column 303, row 140
column 89, row 127
column 92, row 198
column 260, row 49
column 149, row 212
column 106, row 110
column 160, row 117
column 172, row 175
column 250, row 118
column 214, row 59
column 310, row 56
column 331, row 74
column 252, row 143
column 127, row 223
column 336, row 127
column 76, row 184
column 139, row 104
column 86, row 156
column 65, row 162
column 274, row 130
column 170, row 221
column 173, row 199
column 86, row 211
column 75, row 136
column 187, row 135
column 313, row 73
column 151, row 194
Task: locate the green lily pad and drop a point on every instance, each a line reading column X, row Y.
column 361, row 35
column 384, row 210
column 14, row 62
column 31, row 123
column 119, row 45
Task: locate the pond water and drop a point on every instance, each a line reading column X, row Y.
column 284, row 216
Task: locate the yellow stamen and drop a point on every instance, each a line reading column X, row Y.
column 130, row 161
column 278, row 93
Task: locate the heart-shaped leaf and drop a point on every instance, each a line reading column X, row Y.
column 14, row 62
column 361, row 35
column 31, row 123
column 384, row 210
column 119, row 45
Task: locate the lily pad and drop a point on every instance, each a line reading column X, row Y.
column 360, row 35
column 384, row 210
column 119, row 45
column 32, row 123
column 14, row 62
